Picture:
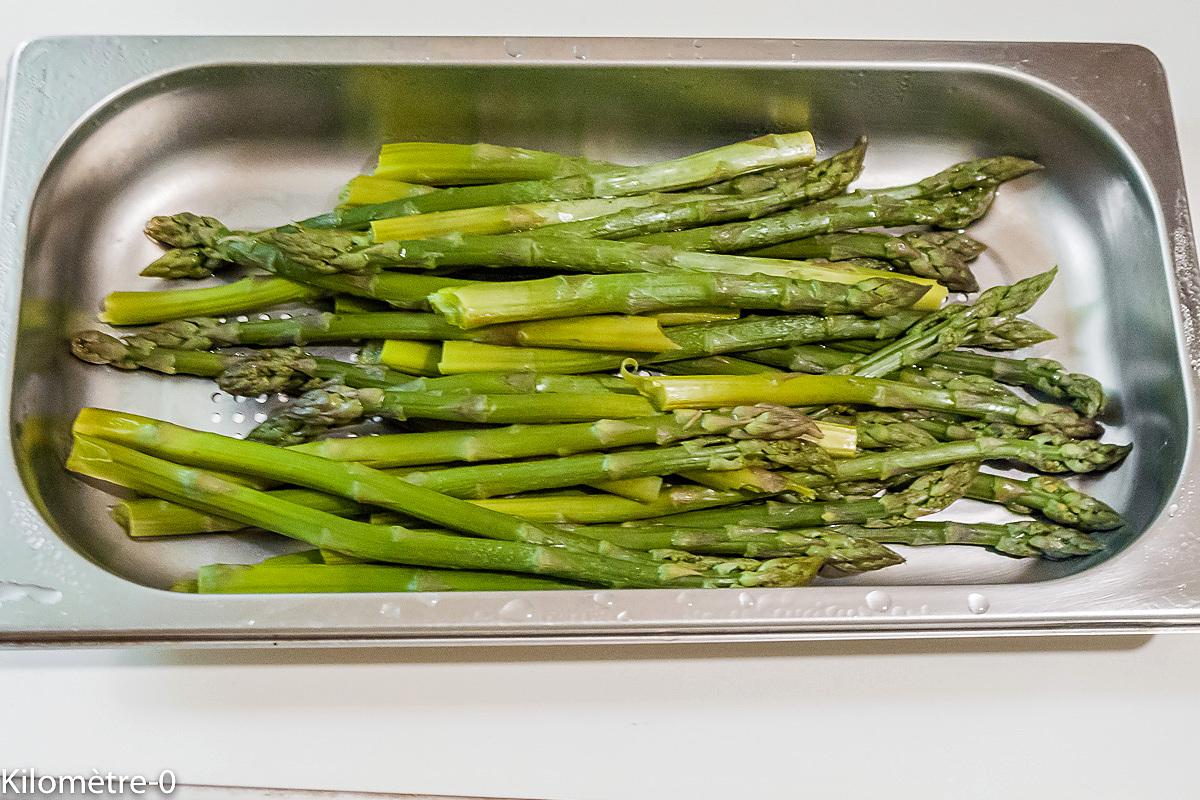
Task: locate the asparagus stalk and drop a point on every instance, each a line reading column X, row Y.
column 1043, row 452
column 363, row 190
column 1049, row 497
column 1083, row 392
column 710, row 166
column 710, row 391
column 644, row 490
column 716, row 365
column 942, row 255
column 606, row 332
column 842, row 552
column 953, row 198
column 928, row 494
column 950, row 327
column 692, row 341
column 305, row 578
column 801, row 185
column 830, row 176
column 481, row 304
column 601, row 508
column 337, row 251
column 523, row 441
column 239, row 297
column 319, row 410
column 516, row 217
column 1019, row 539
column 508, row 551
column 439, row 163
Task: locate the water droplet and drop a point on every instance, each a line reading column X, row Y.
column 604, row 599
column 285, row 315
column 622, row 616
column 513, row 49
column 879, row 601
column 262, row 398
column 696, row 43
column 216, row 396
column 264, row 317
column 281, row 397
column 242, row 318
column 580, row 52
column 516, row 610
column 747, row 600
column 241, row 398
column 685, row 599
column 1173, row 509
column 238, row 417
column 977, row 603
column 260, row 416
column 429, row 600
column 216, row 417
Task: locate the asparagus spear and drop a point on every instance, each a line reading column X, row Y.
column 439, row 163
column 1050, row 497
column 288, row 579
column 1049, row 377
column 830, row 176
column 516, row 217
column 522, row 441
column 578, row 295
column 802, row 185
column 600, row 508
column 694, row 316
column 715, row 365
column 508, row 551
column 248, row 294
column 319, row 410
column 953, row 198
column 1020, row 539
column 942, row 255
column 416, row 358
column 692, row 341
column 952, row 326
column 709, row 391
column 842, row 552
column 1043, row 452
column 607, row 332
column 928, row 494
column 710, row 166
column 338, row 251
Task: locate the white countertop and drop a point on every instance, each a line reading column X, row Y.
column 993, row 718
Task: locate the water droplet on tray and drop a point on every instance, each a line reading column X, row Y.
column 516, row 610
column 977, row 603
column 604, row 599
column 580, row 52
column 747, row 600
column 513, row 49
column 1173, row 509
column 878, row 601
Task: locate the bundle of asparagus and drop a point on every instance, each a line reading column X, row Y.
column 581, row 396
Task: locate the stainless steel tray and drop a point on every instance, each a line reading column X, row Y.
column 100, row 133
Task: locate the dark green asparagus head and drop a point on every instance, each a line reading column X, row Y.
column 1060, row 454
column 131, row 352
column 186, row 230
column 792, row 453
column 1056, row 500
column 882, row 430
column 929, row 493
column 720, row 571
column 316, row 412
column 882, row 297
column 192, row 263
column 1084, row 392
column 323, row 250
column 289, row 370
column 960, row 209
column 834, row 175
column 752, row 422
column 985, row 173
column 197, row 333
column 1042, row 539
column 1008, row 333
column 1059, row 421
column 946, row 254
column 844, row 554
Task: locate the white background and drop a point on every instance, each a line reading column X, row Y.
column 1033, row 718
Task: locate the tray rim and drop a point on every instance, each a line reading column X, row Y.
column 27, row 621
